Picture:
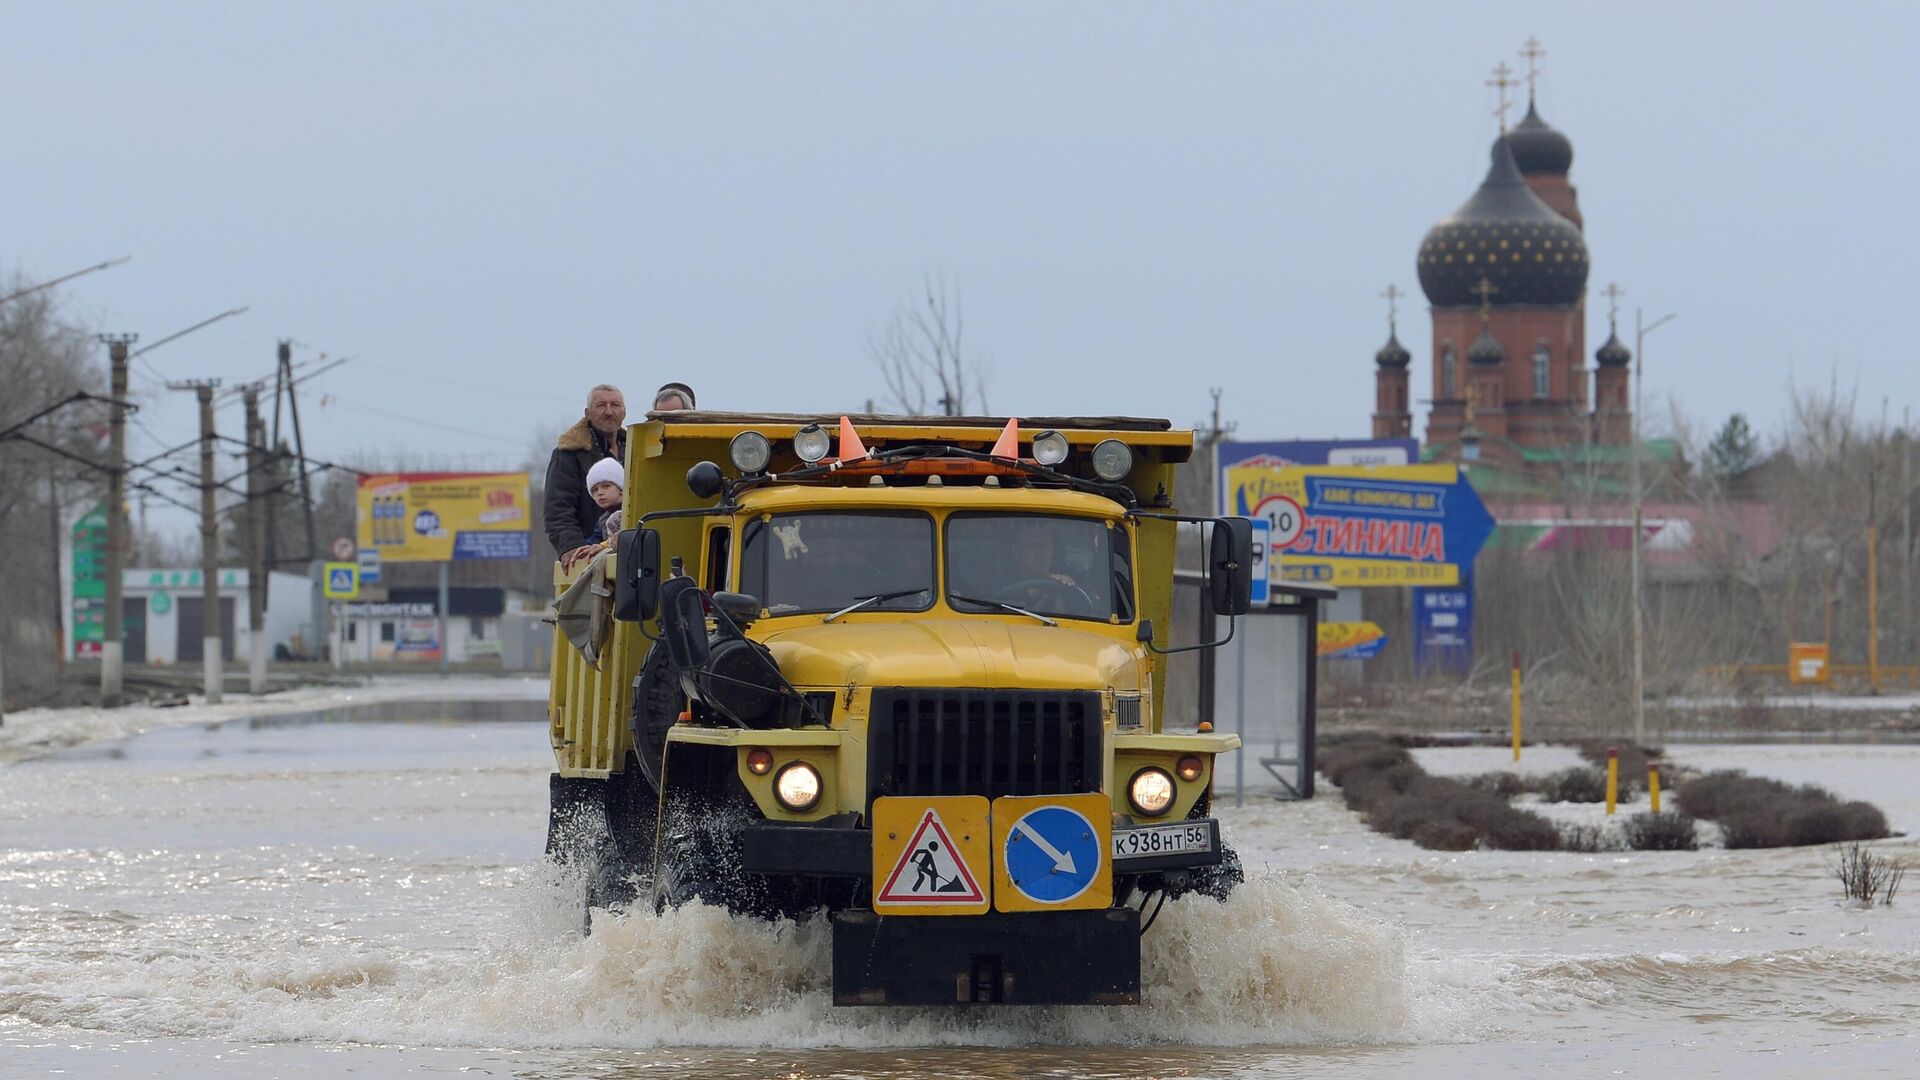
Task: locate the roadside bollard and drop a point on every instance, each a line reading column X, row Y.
column 1613, row 778
column 1653, row 784
column 1516, row 705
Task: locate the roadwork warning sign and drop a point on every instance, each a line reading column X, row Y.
column 931, row 872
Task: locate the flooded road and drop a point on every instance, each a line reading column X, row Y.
column 293, row 898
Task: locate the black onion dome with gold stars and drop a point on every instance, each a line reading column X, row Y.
column 1505, row 234
column 1613, row 353
column 1539, row 149
column 1393, row 354
column 1485, row 350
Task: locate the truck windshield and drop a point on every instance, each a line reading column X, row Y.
column 1071, row 567
column 825, row 562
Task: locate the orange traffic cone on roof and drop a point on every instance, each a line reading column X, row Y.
column 851, row 448
column 1008, row 445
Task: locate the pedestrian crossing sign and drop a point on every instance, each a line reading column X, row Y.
column 925, row 855
column 340, row 580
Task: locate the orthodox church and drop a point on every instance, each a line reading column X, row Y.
column 1505, row 276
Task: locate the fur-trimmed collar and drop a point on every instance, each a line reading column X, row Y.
column 580, row 436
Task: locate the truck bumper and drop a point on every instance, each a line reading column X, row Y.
column 825, row 851
column 1037, row 958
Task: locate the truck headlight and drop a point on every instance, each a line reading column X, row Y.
column 1151, row 791
column 797, row 787
column 750, row 452
column 810, row 443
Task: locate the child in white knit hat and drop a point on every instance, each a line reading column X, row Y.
column 606, row 484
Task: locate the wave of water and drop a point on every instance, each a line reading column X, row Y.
column 1278, row 963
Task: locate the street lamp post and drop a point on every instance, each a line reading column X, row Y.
column 1640, row 333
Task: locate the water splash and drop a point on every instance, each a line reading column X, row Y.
column 1278, row 963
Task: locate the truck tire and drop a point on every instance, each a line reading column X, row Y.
column 1220, row 879
column 602, row 833
column 579, row 840
column 657, row 702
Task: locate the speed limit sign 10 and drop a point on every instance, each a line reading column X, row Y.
column 1284, row 517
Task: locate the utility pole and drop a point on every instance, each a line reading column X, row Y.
column 1640, row 332
column 210, row 658
column 1873, row 575
column 58, row 612
column 110, row 655
column 256, row 546
column 299, row 443
column 1906, row 529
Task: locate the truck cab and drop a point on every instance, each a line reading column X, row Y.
column 909, row 671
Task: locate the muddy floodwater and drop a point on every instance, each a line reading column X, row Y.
column 324, row 898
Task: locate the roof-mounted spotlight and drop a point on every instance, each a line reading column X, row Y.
column 1112, row 460
column 750, row 452
column 1049, row 448
column 811, row 443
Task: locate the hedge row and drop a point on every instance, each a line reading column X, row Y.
column 1754, row 812
column 1380, row 779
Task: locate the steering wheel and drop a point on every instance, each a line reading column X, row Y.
column 1059, row 593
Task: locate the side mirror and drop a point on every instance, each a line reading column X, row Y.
column 636, row 582
column 705, row 480
column 1230, row 566
column 1145, row 633
column 683, row 622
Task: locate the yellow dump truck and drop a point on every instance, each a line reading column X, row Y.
column 908, row 671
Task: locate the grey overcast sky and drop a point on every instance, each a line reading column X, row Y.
column 493, row 206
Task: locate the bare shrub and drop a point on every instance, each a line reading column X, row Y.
column 1575, row 785
column 1866, row 875
column 1504, row 784
column 1666, row 831
column 1378, row 778
column 1755, row 812
column 1587, row 838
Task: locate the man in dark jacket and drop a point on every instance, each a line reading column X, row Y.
column 601, row 433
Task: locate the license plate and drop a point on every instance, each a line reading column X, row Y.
column 1161, row 840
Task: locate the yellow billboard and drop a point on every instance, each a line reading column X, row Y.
column 443, row 517
column 1361, row 526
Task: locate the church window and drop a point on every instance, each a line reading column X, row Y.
column 1446, row 372
column 1541, row 361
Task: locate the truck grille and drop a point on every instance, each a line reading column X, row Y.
column 982, row 742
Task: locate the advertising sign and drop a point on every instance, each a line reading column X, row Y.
column 441, row 517
column 1282, row 455
column 1351, row 640
column 1443, row 627
column 1360, row 527
column 89, row 618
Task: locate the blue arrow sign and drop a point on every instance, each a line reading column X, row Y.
column 1053, row 854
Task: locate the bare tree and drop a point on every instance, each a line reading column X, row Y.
column 920, row 354
column 47, row 467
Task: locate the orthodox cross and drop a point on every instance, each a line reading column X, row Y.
column 1392, row 297
column 1485, row 289
column 1613, row 292
column 1502, row 78
column 1532, row 52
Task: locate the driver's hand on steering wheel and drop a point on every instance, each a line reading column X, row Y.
column 1065, row 580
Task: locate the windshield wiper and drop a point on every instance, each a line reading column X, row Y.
column 874, row 599
column 1003, row 606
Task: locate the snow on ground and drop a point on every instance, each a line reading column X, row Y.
column 1474, row 760
column 34, row 732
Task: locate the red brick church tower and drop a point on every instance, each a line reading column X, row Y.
column 1506, row 278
